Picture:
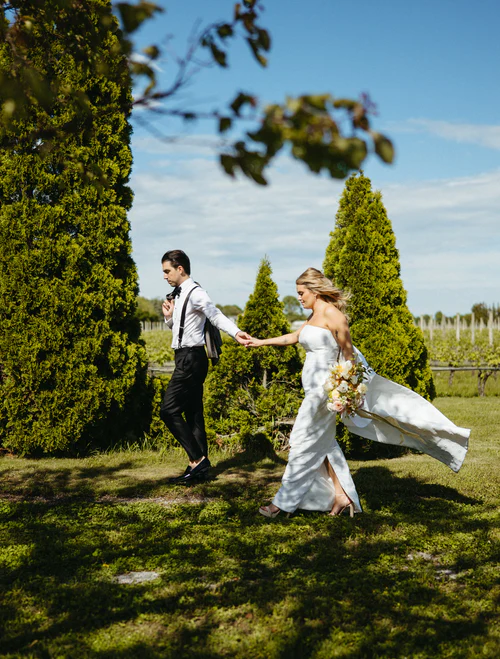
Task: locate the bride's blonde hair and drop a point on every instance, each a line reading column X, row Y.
column 317, row 283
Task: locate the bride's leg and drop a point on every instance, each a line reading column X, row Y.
column 341, row 499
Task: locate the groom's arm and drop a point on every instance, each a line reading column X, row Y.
column 203, row 303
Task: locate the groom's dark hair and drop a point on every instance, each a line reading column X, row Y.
column 177, row 257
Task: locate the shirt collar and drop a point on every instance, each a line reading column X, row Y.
column 186, row 285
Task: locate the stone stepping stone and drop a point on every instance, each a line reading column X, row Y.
column 136, row 577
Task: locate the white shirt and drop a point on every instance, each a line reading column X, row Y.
column 199, row 307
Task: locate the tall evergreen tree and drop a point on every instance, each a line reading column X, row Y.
column 251, row 388
column 362, row 258
column 70, row 355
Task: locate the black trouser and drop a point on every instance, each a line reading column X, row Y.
column 184, row 395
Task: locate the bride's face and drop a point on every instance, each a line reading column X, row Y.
column 306, row 297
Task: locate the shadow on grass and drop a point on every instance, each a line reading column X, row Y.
column 60, row 483
column 234, row 584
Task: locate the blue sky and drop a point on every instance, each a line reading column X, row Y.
column 431, row 68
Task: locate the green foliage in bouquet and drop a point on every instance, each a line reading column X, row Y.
column 362, row 258
column 72, row 365
column 255, row 388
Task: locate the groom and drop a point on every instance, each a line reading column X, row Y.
column 182, row 406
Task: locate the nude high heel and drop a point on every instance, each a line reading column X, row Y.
column 350, row 505
column 264, row 510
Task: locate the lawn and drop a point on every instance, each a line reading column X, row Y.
column 415, row 576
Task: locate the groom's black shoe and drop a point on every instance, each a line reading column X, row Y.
column 178, row 479
column 197, row 474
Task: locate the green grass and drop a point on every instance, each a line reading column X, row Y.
column 234, row 584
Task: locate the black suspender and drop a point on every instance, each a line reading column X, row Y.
column 183, row 316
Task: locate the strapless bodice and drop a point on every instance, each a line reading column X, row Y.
column 320, row 341
column 321, row 352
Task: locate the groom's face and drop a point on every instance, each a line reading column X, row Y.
column 175, row 275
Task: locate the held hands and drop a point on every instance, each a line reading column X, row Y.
column 248, row 341
column 243, row 338
column 253, row 343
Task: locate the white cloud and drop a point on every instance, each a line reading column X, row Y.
column 447, row 231
column 182, row 145
column 481, row 135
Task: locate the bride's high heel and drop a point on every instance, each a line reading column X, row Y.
column 267, row 512
column 349, row 505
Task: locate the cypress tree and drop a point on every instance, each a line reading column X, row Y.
column 362, row 258
column 71, row 361
column 250, row 388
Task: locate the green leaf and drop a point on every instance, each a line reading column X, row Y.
column 132, row 16
column 224, row 124
column 218, row 55
column 264, row 39
column 318, row 101
column 152, row 52
column 345, row 103
column 225, row 31
column 383, row 147
column 228, row 163
column 356, row 152
column 241, row 100
column 254, row 45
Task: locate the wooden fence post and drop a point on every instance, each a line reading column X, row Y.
column 472, row 329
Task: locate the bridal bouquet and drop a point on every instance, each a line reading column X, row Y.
column 345, row 387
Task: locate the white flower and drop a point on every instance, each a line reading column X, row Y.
column 328, row 386
column 331, row 407
column 335, row 394
column 354, row 379
column 337, row 369
column 362, row 389
column 346, row 370
column 343, row 387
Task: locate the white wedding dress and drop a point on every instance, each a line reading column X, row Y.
column 401, row 417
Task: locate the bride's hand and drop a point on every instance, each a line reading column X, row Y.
column 253, row 343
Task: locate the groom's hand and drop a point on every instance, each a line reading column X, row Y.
column 243, row 338
column 168, row 309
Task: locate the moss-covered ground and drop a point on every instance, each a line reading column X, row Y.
column 415, row 576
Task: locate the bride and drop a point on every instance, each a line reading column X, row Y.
column 317, row 476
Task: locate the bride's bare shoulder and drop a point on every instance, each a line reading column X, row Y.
column 335, row 317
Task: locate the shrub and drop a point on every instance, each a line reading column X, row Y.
column 259, row 387
column 362, row 258
column 72, row 365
